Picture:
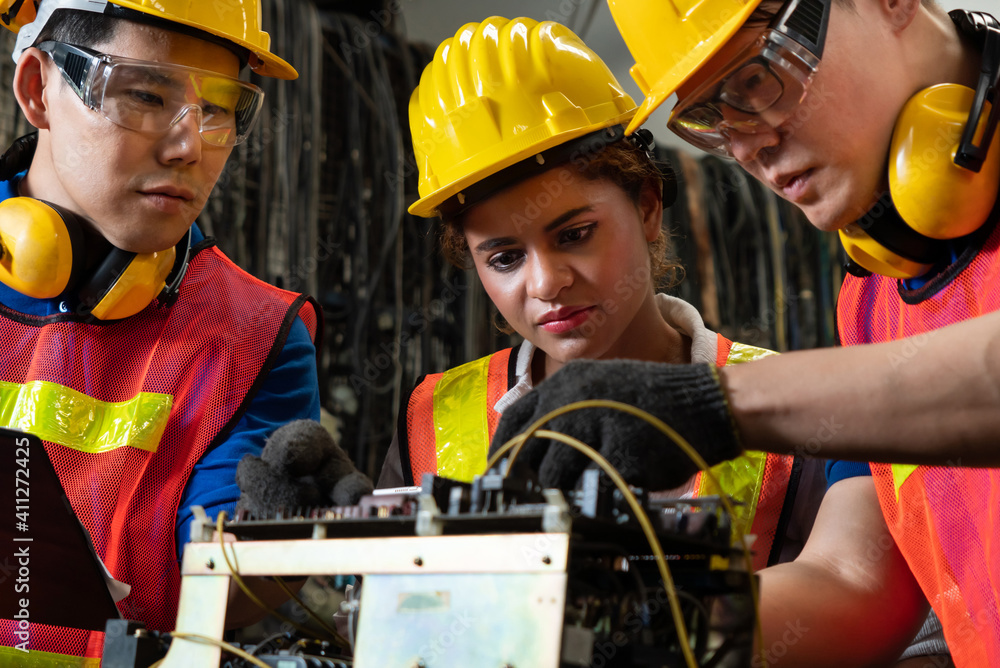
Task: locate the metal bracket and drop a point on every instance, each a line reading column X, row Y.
column 428, row 517
column 556, row 518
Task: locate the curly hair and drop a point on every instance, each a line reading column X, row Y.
column 627, row 166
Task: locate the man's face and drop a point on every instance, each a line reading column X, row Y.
column 141, row 191
column 829, row 157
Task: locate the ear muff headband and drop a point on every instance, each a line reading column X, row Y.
column 975, row 138
column 944, row 168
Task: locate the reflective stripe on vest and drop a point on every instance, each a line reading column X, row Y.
column 15, row 657
column 447, row 412
column 60, row 414
column 143, row 400
column 78, row 648
column 460, row 402
column 757, row 480
column 945, row 521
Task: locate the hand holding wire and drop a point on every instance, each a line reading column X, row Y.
column 512, row 447
column 686, row 396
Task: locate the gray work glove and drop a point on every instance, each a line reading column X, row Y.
column 301, row 466
column 687, row 397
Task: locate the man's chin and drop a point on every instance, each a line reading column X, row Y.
column 827, row 219
column 147, row 245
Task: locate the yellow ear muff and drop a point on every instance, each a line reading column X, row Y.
column 876, row 258
column 140, row 279
column 36, row 248
column 42, row 253
column 931, row 197
column 936, row 197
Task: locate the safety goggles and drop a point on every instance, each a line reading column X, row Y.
column 153, row 97
column 762, row 87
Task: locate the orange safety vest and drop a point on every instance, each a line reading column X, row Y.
column 449, row 421
column 126, row 409
column 946, row 521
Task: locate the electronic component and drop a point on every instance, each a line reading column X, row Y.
column 494, row 573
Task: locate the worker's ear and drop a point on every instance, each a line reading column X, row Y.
column 31, row 80
column 899, row 13
column 651, row 209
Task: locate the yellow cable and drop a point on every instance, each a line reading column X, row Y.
column 647, row 529
column 197, row 637
column 234, row 573
column 517, row 442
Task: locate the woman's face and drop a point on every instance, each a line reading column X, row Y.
column 565, row 260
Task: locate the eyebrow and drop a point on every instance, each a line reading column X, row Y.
column 490, row 244
column 149, row 75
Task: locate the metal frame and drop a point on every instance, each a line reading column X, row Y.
column 206, row 576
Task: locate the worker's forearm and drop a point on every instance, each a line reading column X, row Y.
column 849, row 598
column 930, row 399
column 809, row 621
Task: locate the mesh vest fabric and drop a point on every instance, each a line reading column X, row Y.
column 944, row 520
column 438, row 424
column 208, row 353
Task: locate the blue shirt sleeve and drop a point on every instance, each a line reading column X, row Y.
column 838, row 469
column 290, row 392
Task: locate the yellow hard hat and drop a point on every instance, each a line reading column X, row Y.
column 235, row 21
column 670, row 40
column 501, row 91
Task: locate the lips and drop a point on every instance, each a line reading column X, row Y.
column 791, row 185
column 170, row 191
column 564, row 319
column 169, row 200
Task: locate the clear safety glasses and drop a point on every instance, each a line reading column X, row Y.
column 152, row 97
column 762, row 87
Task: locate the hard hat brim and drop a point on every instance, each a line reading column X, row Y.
column 268, row 64
column 427, row 206
column 682, row 71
